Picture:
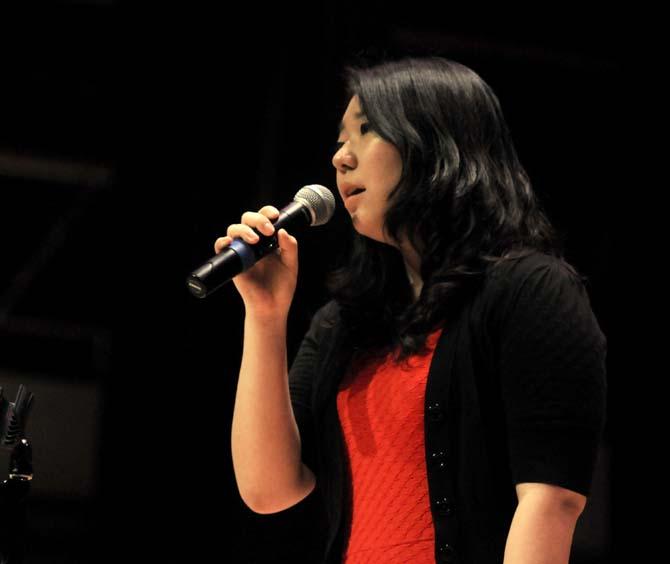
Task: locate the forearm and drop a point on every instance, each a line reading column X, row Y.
column 265, row 440
column 541, row 533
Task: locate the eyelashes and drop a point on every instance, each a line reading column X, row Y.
column 365, row 128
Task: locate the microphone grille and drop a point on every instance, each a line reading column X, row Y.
column 319, row 200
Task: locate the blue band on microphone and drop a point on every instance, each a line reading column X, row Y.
column 245, row 252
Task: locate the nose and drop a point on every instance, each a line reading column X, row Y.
column 344, row 159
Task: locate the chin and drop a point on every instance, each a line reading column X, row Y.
column 367, row 231
column 375, row 237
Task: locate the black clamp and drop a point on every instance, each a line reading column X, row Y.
column 14, row 490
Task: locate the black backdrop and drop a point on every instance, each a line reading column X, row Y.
column 189, row 117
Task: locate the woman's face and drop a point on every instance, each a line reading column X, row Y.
column 365, row 160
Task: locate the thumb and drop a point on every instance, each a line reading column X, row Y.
column 288, row 246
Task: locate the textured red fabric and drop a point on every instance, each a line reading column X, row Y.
column 381, row 410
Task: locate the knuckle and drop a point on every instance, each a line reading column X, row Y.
column 269, row 211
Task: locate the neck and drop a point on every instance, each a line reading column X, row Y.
column 413, row 268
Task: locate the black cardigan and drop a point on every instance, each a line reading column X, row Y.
column 516, row 392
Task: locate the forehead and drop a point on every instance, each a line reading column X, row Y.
column 352, row 113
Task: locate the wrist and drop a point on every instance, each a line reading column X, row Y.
column 271, row 318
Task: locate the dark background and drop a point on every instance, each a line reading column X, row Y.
column 128, row 143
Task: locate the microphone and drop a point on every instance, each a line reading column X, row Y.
column 312, row 205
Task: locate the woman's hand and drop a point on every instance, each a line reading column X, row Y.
column 266, row 288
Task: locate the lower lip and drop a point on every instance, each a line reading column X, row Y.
column 352, row 198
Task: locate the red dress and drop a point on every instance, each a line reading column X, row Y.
column 381, row 410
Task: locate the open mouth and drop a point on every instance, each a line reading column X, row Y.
column 357, row 191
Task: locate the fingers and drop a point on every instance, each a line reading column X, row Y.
column 269, row 211
column 243, row 231
column 260, row 220
column 287, row 244
column 220, row 243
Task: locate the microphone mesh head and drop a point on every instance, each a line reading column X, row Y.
column 320, row 202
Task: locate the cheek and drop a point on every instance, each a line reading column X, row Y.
column 389, row 164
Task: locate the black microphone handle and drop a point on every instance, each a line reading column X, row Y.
column 240, row 255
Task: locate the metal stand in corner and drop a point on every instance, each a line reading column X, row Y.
column 14, row 490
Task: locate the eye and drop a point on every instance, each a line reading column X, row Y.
column 365, row 128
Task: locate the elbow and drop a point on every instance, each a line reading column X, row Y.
column 257, row 504
column 273, row 502
column 264, row 506
column 575, row 505
column 550, row 495
column 256, row 501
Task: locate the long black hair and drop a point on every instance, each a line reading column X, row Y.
column 464, row 201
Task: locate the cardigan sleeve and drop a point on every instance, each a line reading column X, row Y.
column 301, row 378
column 553, row 377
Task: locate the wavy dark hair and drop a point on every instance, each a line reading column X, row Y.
column 464, row 201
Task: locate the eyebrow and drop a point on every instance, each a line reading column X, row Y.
column 357, row 115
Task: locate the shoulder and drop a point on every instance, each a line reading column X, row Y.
column 328, row 315
column 325, row 319
column 523, row 266
column 535, row 268
column 535, row 284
